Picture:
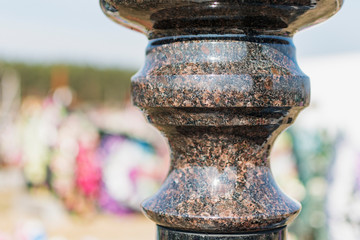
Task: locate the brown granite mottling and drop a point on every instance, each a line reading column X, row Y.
column 221, row 73
column 221, row 82
column 221, row 103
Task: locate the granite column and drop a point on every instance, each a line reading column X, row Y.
column 221, row 82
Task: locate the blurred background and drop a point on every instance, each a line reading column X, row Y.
column 76, row 159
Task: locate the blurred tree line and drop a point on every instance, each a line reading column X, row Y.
column 90, row 84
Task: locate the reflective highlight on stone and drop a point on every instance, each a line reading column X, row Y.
column 165, row 234
column 159, row 18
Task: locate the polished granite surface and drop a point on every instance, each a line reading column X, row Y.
column 159, row 18
column 221, row 82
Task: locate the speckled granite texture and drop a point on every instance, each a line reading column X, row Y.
column 221, row 82
column 166, row 234
column 221, row 103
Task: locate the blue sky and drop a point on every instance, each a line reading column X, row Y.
column 76, row 31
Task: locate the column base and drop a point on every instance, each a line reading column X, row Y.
column 170, row 234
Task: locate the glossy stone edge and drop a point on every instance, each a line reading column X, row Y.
column 159, row 18
column 170, row 234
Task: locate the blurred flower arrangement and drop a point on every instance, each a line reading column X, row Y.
column 309, row 154
column 321, row 170
column 93, row 159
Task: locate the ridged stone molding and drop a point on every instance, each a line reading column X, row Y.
column 221, row 82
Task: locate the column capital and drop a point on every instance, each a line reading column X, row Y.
column 159, row 18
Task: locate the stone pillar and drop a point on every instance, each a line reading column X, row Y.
column 221, row 82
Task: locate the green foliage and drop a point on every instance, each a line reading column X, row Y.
column 89, row 83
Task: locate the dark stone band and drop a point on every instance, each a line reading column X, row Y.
column 170, row 234
column 270, row 39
